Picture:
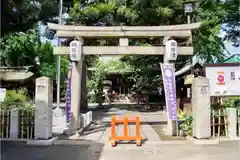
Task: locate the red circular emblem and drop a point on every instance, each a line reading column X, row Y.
column 220, row 78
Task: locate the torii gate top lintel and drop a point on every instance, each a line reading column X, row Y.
column 61, row 27
column 182, row 31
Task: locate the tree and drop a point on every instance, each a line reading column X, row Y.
column 206, row 41
column 232, row 21
column 25, row 49
column 127, row 12
column 207, row 44
column 99, row 74
column 21, row 15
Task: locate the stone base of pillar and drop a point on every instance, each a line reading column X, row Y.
column 71, row 132
column 58, row 112
column 232, row 123
column 47, row 142
column 14, row 123
column 208, row 141
column 172, row 128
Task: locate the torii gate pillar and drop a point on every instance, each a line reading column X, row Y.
column 76, row 88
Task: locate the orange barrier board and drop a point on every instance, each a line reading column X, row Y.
column 125, row 137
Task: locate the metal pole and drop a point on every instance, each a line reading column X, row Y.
column 59, row 58
column 188, row 19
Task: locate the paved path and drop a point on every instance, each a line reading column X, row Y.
column 100, row 131
column 229, row 151
column 153, row 149
column 89, row 150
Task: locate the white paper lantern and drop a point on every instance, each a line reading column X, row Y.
column 75, row 50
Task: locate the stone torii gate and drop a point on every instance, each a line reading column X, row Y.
column 124, row 33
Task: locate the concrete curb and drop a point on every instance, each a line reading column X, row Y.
column 202, row 141
column 225, row 139
column 237, row 139
column 210, row 141
column 42, row 142
column 73, row 135
column 13, row 139
column 47, row 142
column 167, row 142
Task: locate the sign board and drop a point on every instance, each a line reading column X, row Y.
column 220, row 78
column 68, row 95
column 188, row 7
column 3, row 92
column 188, row 79
column 224, row 79
column 169, row 83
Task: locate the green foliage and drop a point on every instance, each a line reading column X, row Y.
column 18, row 49
column 17, row 99
column 231, row 102
column 206, row 41
column 116, row 66
column 145, row 71
column 185, row 124
column 23, row 49
column 21, row 15
column 95, row 82
column 207, row 44
column 232, row 21
column 129, row 12
column 227, row 102
column 101, row 69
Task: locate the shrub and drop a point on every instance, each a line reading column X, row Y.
column 231, row 102
column 17, row 99
column 185, row 124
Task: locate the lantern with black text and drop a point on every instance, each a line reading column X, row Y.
column 75, row 50
column 171, row 50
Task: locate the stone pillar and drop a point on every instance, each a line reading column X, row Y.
column 14, row 123
column 76, row 93
column 201, row 108
column 232, row 122
column 43, row 108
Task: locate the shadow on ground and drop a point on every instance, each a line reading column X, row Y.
column 61, row 150
column 93, row 128
column 153, row 107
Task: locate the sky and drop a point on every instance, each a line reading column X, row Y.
column 229, row 47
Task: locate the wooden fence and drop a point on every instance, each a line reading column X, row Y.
column 23, row 123
column 219, row 123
